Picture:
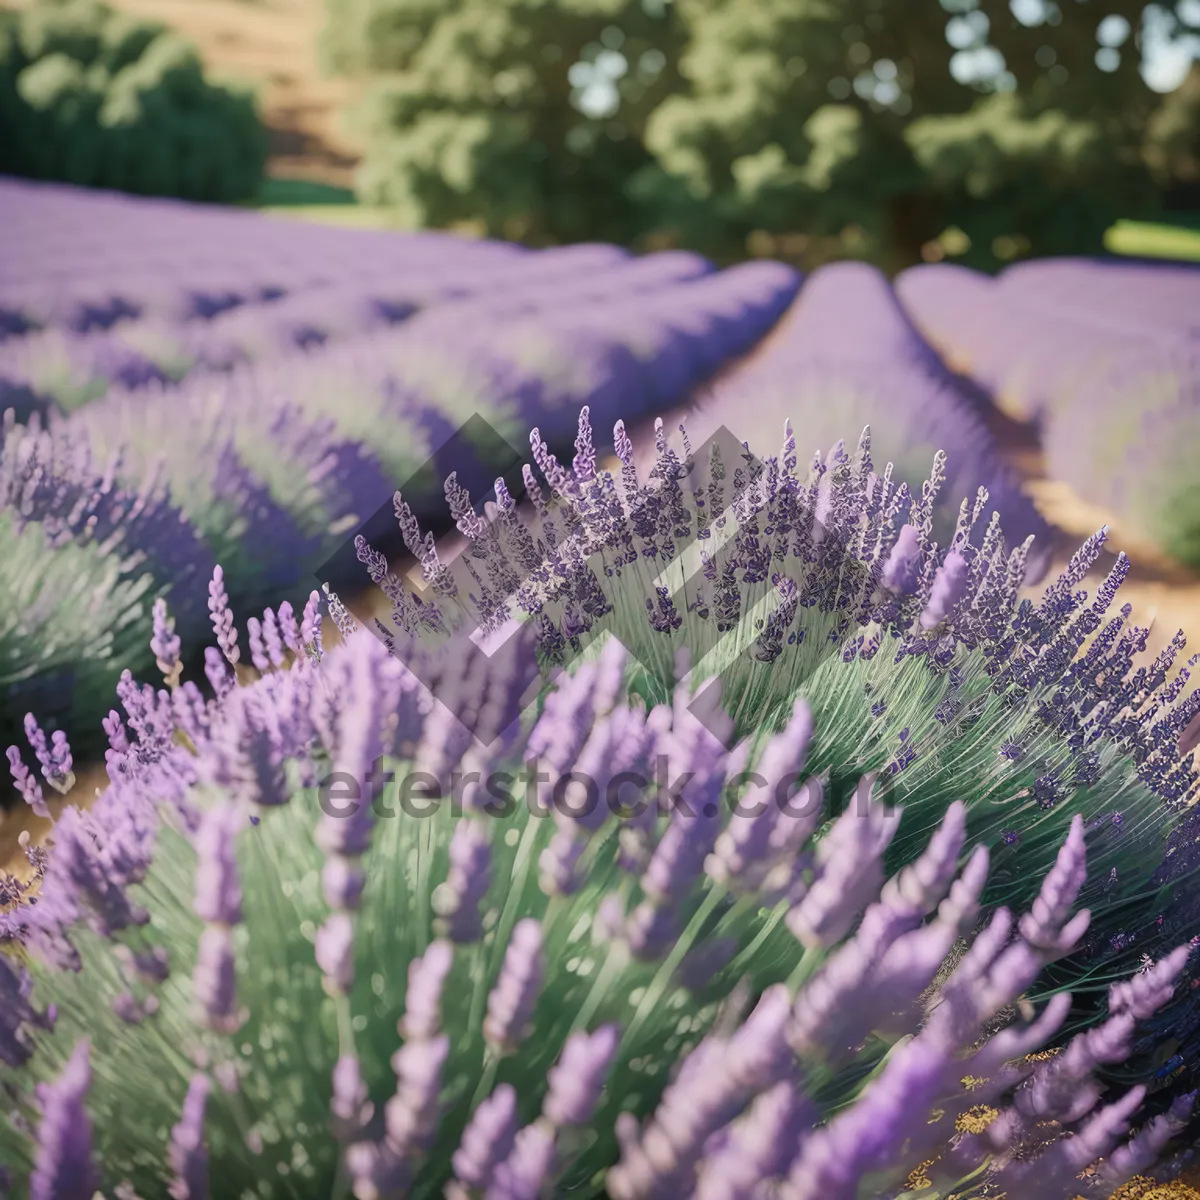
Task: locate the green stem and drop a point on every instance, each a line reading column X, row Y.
column 512, row 902
column 487, row 1077
column 614, row 964
column 658, row 985
column 756, row 943
column 424, row 910
column 810, row 960
column 478, row 989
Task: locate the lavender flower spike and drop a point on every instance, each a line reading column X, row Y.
column 578, row 1077
column 486, row 1142
column 63, row 1169
column 310, row 624
column 334, row 950
column 920, row 887
column 220, row 677
column 760, row 1147
column 1144, row 1148
column 165, row 643
column 903, row 565
column 222, row 617
column 423, row 999
column 218, row 889
column 54, row 758
column 187, row 1153
column 349, row 1099
column 525, row 1173
column 949, row 587
column 1048, row 926
column 28, row 787
column 849, row 870
column 511, row 1002
column 1142, row 995
column 214, row 980
column 412, row 1114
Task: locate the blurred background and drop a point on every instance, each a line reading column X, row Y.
column 898, row 131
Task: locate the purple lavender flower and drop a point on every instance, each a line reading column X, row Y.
column 456, row 900
column 335, row 950
column 903, row 565
column 54, row 758
column 220, row 677
column 222, row 617
column 578, row 1076
column 214, row 981
column 511, row 1002
column 218, row 888
column 310, row 625
column 342, row 882
column 165, row 644
column 525, row 1173
column 412, row 1113
column 1048, row 926
column 949, row 587
column 187, row 1154
column 487, row 1140
column 288, row 629
column 349, row 1092
column 64, row 1169
column 258, row 650
column 272, row 633
column 422, row 1000
column 760, row 1146
column 849, row 870
column 27, row 787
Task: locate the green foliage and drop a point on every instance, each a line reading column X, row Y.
column 474, row 109
column 857, row 125
column 101, row 99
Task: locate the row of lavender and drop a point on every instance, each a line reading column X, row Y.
column 847, row 356
column 218, row 399
column 1104, row 358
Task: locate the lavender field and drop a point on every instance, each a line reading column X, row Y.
column 958, row 959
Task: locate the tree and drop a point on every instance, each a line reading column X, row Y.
column 98, row 98
column 506, row 111
column 891, row 129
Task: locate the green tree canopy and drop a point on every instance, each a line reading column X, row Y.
column 98, row 98
column 822, row 126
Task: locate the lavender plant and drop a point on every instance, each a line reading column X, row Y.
column 1145, row 410
column 1110, row 391
column 236, row 982
column 1035, row 354
column 269, row 491
column 84, row 560
column 847, row 355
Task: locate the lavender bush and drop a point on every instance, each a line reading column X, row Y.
column 1147, row 297
column 847, row 356
column 1111, row 390
column 84, row 560
column 1033, row 355
column 225, row 989
column 274, row 462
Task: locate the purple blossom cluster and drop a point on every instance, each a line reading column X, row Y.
column 729, row 1108
column 679, row 998
column 86, row 555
